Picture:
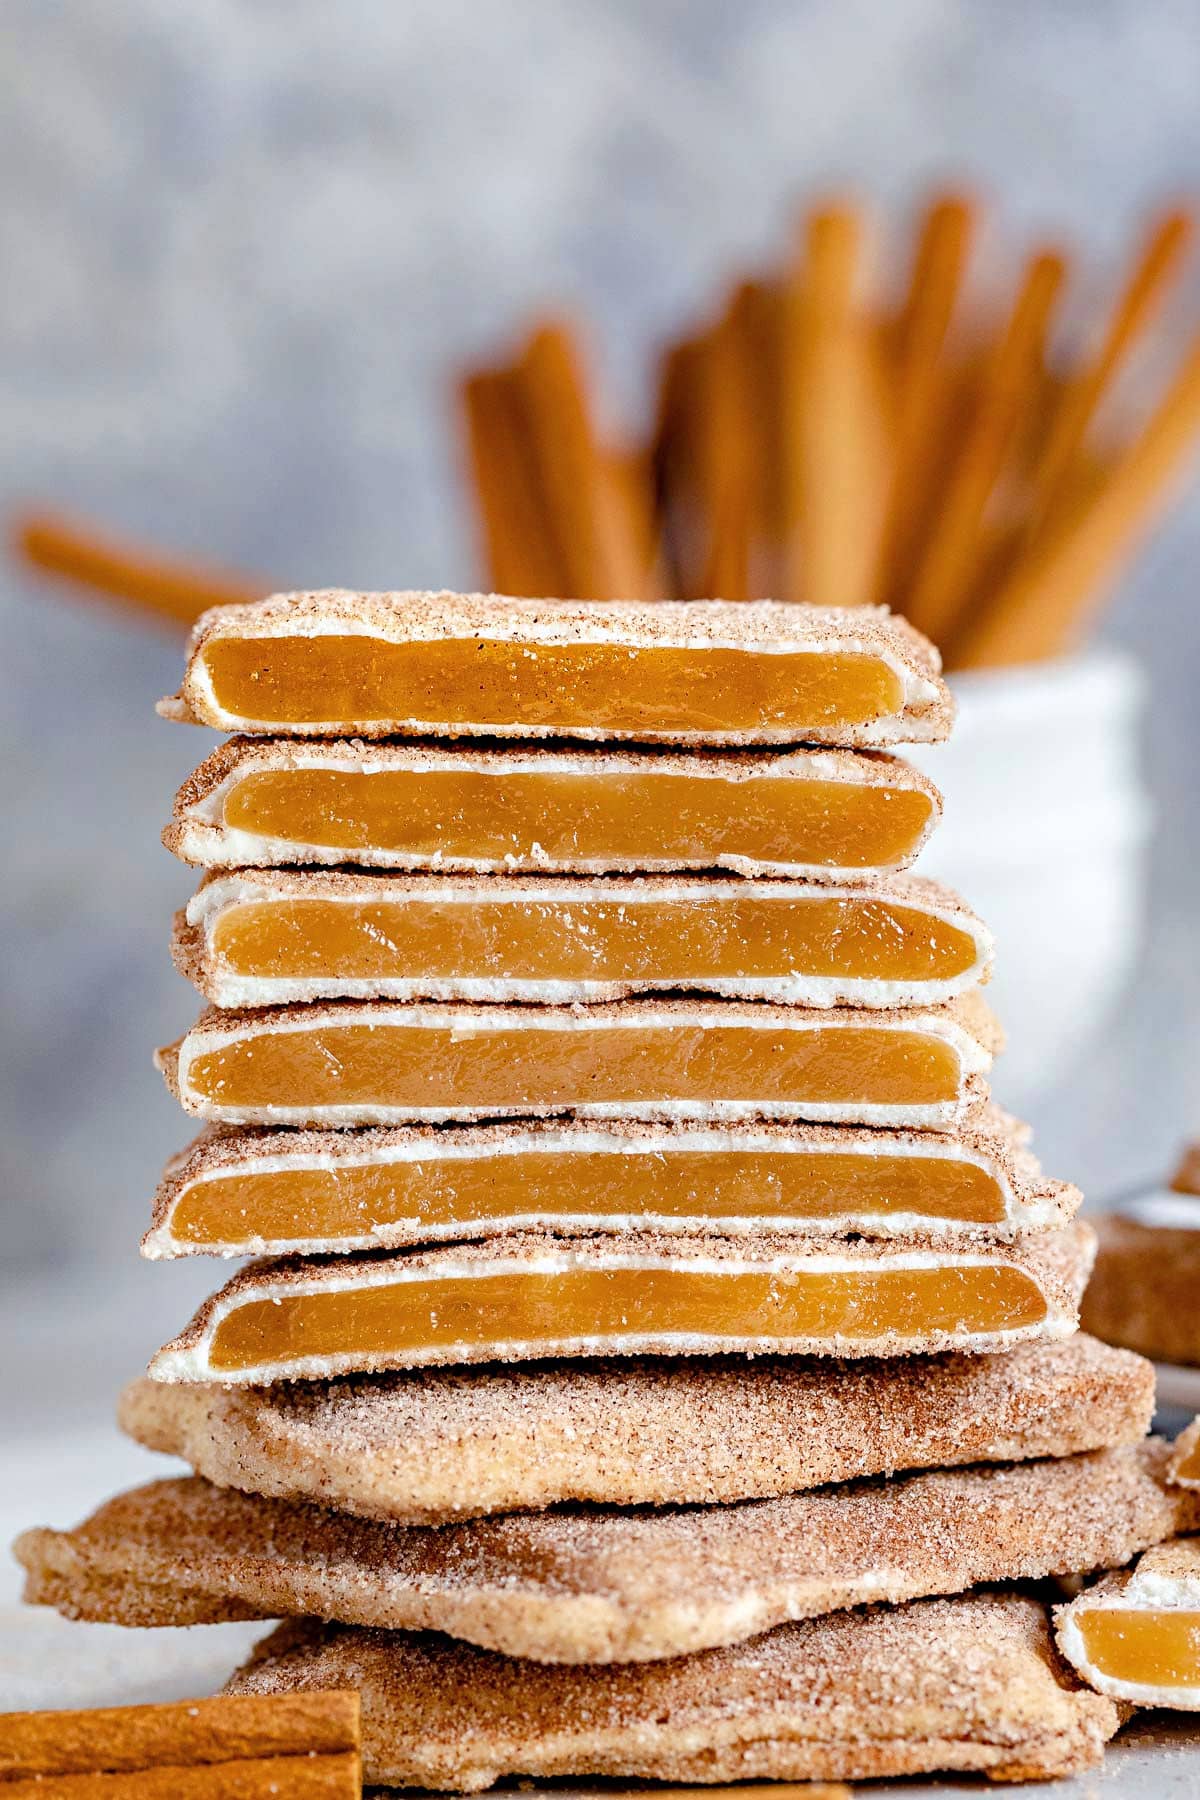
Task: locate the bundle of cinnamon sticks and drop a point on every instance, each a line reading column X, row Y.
column 822, row 437
column 821, row 440
column 307, row 1746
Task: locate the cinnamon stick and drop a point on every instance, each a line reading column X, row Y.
column 301, row 1777
column 596, row 542
column 944, row 578
column 1160, row 263
column 670, row 465
column 1043, row 605
column 762, row 313
column 727, row 461
column 124, row 1741
column 835, row 444
column 934, row 292
column 632, row 477
column 672, row 458
column 76, row 552
column 519, row 548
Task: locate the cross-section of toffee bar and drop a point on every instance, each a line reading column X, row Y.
column 468, row 665
column 971, row 1684
column 816, row 814
column 269, row 937
column 398, row 1062
column 534, row 1295
column 589, row 1586
column 1135, row 1635
column 278, row 1193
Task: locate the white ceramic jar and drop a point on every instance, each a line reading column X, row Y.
column 1045, row 835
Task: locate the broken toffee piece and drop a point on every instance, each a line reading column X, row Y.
column 395, row 1062
column 313, row 1193
column 971, row 1684
column 1143, row 1290
column 1185, row 1463
column 1135, row 1635
column 533, row 1295
column 421, row 1446
column 266, row 938
column 712, row 672
column 815, row 814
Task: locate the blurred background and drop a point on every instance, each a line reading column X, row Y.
column 249, row 250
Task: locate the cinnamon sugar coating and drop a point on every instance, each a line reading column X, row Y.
column 424, row 1446
column 1143, row 1289
column 971, row 1684
column 606, row 1586
column 926, row 713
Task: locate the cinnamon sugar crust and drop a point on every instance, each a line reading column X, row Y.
column 425, row 1446
column 926, row 714
column 972, row 1684
column 1056, row 1262
column 1143, row 1289
column 993, row 1142
column 199, row 834
column 599, row 1587
column 193, row 954
column 966, row 1023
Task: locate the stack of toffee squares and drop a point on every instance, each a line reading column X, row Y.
column 661, row 1361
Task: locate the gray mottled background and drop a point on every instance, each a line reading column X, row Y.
column 246, row 243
